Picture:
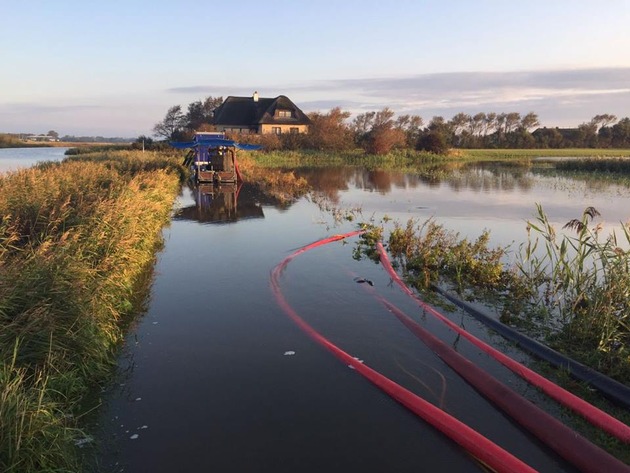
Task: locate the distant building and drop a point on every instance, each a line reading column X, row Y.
column 260, row 115
column 39, row 138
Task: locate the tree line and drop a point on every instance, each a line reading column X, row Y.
column 379, row 132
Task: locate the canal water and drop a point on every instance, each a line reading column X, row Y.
column 12, row 159
column 215, row 377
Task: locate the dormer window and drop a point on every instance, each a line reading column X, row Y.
column 284, row 113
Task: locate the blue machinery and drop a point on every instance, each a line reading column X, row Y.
column 212, row 157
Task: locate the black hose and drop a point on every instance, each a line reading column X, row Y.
column 613, row 390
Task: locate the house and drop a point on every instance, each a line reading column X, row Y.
column 260, row 115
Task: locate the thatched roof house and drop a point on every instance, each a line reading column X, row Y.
column 260, row 115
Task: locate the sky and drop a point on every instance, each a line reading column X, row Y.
column 114, row 68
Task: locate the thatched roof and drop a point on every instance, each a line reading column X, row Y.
column 246, row 112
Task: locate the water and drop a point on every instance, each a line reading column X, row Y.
column 12, row 159
column 215, row 377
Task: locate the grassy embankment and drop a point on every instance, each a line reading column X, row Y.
column 76, row 239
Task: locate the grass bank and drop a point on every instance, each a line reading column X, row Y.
column 76, row 239
column 397, row 159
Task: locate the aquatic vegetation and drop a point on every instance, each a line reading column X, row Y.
column 429, row 252
column 76, row 239
column 572, row 291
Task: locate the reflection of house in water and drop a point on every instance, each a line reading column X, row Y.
column 220, row 204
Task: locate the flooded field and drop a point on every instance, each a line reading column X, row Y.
column 216, row 377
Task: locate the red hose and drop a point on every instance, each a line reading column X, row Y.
column 568, row 444
column 594, row 415
column 478, row 445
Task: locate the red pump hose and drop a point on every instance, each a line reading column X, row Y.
column 568, row 444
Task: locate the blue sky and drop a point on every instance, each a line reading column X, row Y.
column 114, row 68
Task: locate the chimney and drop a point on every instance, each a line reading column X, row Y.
column 255, row 96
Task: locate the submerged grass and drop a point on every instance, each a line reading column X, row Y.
column 76, row 238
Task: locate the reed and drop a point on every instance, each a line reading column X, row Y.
column 583, row 282
column 76, row 239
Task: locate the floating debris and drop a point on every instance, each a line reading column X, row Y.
column 134, row 436
column 143, row 427
column 362, row 280
column 289, row 353
column 138, row 399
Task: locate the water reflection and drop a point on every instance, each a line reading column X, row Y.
column 478, row 177
column 221, row 204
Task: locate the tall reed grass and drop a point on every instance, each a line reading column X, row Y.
column 76, row 238
column 583, row 284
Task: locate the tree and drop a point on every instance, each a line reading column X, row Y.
column 512, row 121
column 411, row 126
column 362, row 124
column 382, row 139
column 459, row 125
column 173, row 123
column 621, row 133
column 460, row 122
column 202, row 113
column 53, row 134
column 587, row 134
column 530, row 121
column 489, row 123
column 383, row 136
column 601, row 121
column 329, row 131
column 477, row 123
column 433, row 141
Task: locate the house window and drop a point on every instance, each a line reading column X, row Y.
column 283, row 113
column 294, row 130
column 276, row 130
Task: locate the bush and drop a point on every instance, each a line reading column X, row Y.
column 434, row 142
